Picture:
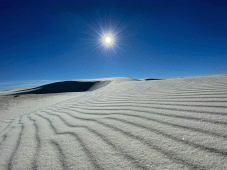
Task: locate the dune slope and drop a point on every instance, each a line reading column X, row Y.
column 174, row 124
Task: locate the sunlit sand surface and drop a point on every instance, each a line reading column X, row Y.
column 116, row 123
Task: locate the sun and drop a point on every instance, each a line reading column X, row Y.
column 107, row 36
column 108, row 40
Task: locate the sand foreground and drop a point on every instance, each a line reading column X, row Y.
column 117, row 123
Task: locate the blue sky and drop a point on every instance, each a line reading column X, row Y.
column 44, row 41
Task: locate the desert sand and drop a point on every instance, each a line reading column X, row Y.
column 116, row 123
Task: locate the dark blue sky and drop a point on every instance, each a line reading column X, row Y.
column 50, row 40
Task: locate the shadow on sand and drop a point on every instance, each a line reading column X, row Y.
column 152, row 79
column 62, row 87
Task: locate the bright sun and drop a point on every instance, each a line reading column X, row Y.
column 108, row 40
column 108, row 36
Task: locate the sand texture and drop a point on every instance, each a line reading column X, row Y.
column 116, row 123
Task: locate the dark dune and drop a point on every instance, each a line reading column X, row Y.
column 152, row 79
column 61, row 87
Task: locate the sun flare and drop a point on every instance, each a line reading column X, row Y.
column 108, row 35
column 108, row 39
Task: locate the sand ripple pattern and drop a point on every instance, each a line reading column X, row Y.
column 159, row 124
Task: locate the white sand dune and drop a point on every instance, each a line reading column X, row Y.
column 116, row 123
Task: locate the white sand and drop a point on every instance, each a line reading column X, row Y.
column 118, row 123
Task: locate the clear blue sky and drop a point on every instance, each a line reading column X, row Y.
column 43, row 41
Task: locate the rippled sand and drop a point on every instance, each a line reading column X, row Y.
column 116, row 123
